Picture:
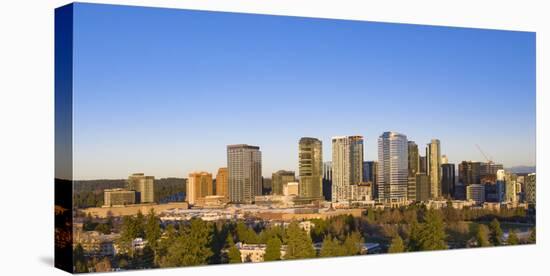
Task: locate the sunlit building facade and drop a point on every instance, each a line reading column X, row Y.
column 392, row 167
column 244, row 164
column 310, row 165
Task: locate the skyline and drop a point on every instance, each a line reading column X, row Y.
column 283, row 78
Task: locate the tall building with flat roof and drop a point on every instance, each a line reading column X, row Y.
column 370, row 171
column 469, row 172
column 530, row 188
column 347, row 166
column 144, row 187
column 222, row 182
column 413, row 166
column 422, row 187
column 310, row 164
column 510, row 179
column 244, row 164
column 327, row 180
column 199, row 186
column 448, row 180
column 392, row 167
column 433, row 154
column 279, row 180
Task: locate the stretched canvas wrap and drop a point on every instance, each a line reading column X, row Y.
column 187, row 138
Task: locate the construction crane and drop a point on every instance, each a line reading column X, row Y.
column 488, row 158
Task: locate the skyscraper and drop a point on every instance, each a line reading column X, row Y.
column 501, row 185
column 244, row 164
column 222, row 184
column 199, row 185
column 144, row 187
column 413, row 165
column 422, row 164
column 347, row 166
column 279, row 179
column 327, row 180
column 310, row 163
column 392, row 167
column 448, row 180
column 530, row 188
column 433, row 155
column 422, row 187
column 469, row 172
column 370, row 170
column 510, row 179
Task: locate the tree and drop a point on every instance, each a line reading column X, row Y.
column 414, row 237
column 353, row 244
column 233, row 254
column 273, row 249
column 482, row 236
column 432, row 233
column 152, row 229
column 397, row 245
column 512, row 238
column 192, row 246
column 331, row 248
column 299, row 244
column 496, row 232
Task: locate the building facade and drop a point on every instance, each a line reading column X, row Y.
column 279, row 180
column 310, row 165
column 244, row 165
column 433, row 154
column 530, row 188
column 370, row 171
column 347, row 166
column 327, row 180
column 114, row 197
column 144, row 187
column 413, row 166
column 392, row 167
column 423, row 190
column 476, row 193
column 448, row 180
column 199, row 186
column 222, row 182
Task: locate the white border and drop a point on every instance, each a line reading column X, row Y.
column 26, row 139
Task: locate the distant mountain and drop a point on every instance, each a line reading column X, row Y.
column 522, row 169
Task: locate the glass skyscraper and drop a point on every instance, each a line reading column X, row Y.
column 392, row 168
column 310, row 162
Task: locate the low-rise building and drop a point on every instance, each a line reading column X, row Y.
column 118, row 197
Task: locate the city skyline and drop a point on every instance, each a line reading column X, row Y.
column 212, row 87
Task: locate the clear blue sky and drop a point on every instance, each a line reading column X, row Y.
column 163, row 91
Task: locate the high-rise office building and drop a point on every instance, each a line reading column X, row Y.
column 530, row 188
column 392, row 167
column 501, row 186
column 222, row 182
column 370, row 170
column 413, row 166
column 510, row 180
column 279, row 180
column 448, row 180
column 422, row 190
column 266, row 186
column 310, row 164
column 422, row 164
column 327, row 180
column 244, row 164
column 347, row 166
column 199, row 185
column 475, row 192
column 469, row 172
column 144, row 187
column 433, row 154
column 489, row 168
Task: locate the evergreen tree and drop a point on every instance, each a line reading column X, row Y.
column 414, row 237
column 512, row 238
column 273, row 250
column 397, row 245
column 233, row 254
column 496, row 232
column 331, row 248
column 482, row 236
column 152, row 229
column 432, row 234
column 353, row 244
column 192, row 246
column 81, row 264
column 299, row 244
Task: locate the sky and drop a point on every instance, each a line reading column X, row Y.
column 164, row 91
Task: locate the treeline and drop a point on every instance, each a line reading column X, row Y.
column 89, row 193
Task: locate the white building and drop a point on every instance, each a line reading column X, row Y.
column 392, row 168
